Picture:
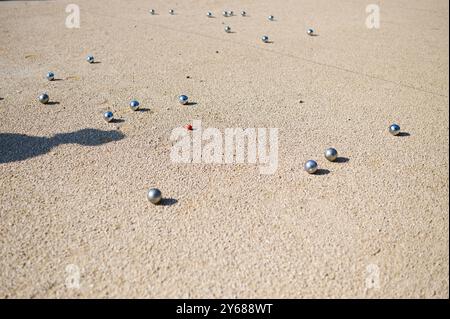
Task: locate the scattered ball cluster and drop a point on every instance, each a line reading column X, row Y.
column 154, row 195
column 311, row 166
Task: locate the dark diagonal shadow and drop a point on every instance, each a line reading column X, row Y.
column 322, row 171
column 168, row 202
column 342, row 160
column 19, row 147
column 403, row 134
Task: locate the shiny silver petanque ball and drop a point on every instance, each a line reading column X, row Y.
column 230, row 13
column 265, row 38
column 225, row 13
column 90, row 59
column 227, row 29
column 171, row 11
column 209, row 14
column 310, row 31
column 134, row 105
column 243, row 13
column 108, row 116
column 50, row 76
column 152, row 11
column 154, row 195
column 271, row 18
column 331, row 154
column 44, row 98
column 394, row 129
column 183, row 99
column 311, row 166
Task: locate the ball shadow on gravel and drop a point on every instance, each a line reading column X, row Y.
column 168, row 202
column 18, row 147
column 403, row 134
column 322, row 171
column 342, row 160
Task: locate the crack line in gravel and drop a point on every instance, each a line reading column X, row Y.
column 370, row 76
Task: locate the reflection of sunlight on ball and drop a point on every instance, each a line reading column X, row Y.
column 394, row 129
column 90, row 59
column 44, row 98
column 331, row 154
column 311, row 166
column 154, row 195
column 108, row 116
column 134, row 105
column 50, row 76
column 183, row 99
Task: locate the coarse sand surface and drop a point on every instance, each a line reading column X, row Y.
column 74, row 218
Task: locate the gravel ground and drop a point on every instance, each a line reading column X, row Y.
column 74, row 218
